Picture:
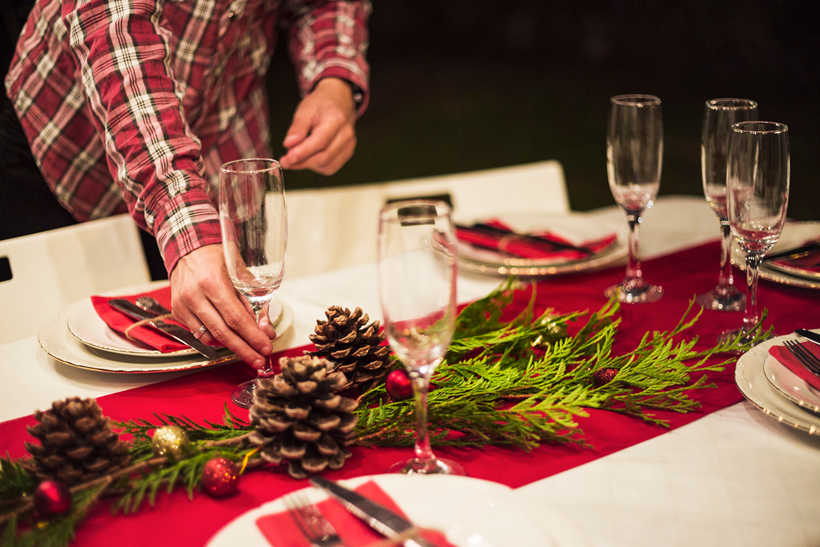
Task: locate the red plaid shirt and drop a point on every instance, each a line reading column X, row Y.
column 135, row 105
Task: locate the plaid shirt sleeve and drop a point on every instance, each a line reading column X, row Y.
column 123, row 65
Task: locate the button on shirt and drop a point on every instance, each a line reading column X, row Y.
column 134, row 106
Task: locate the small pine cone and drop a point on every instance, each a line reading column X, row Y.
column 355, row 346
column 76, row 443
column 300, row 418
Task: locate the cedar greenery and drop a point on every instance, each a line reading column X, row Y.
column 518, row 383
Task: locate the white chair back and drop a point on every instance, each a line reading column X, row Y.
column 53, row 269
column 332, row 228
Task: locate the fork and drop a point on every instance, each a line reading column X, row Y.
column 311, row 522
column 804, row 356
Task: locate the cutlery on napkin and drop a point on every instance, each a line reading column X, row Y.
column 496, row 235
column 805, row 258
column 782, row 354
column 281, row 531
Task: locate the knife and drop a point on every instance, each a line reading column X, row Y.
column 492, row 230
column 807, row 249
column 813, row 336
column 378, row 517
column 174, row 331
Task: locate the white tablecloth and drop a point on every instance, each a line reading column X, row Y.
column 735, row 477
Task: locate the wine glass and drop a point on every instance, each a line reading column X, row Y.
column 634, row 151
column 253, row 218
column 757, row 195
column 417, row 288
column 718, row 118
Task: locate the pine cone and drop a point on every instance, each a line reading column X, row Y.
column 299, row 417
column 347, row 340
column 77, row 444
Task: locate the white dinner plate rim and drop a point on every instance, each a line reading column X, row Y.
column 790, row 238
column 89, row 329
column 781, row 378
column 56, row 340
column 756, row 388
column 793, row 272
column 542, row 268
column 243, row 527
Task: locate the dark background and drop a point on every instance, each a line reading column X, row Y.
column 459, row 85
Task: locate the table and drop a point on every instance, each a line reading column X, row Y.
column 732, row 477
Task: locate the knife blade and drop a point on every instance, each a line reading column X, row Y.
column 804, row 250
column 813, row 336
column 378, row 517
column 492, row 230
column 174, row 331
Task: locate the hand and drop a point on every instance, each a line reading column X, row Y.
column 202, row 294
column 322, row 136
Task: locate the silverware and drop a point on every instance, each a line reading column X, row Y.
column 311, row 522
column 492, row 230
column 804, row 250
column 151, row 304
column 803, row 355
column 809, row 335
column 174, row 331
column 378, row 517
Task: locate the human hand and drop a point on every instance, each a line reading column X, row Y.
column 322, row 136
column 202, row 294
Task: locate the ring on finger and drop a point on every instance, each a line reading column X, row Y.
column 200, row 332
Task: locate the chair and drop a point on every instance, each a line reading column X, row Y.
column 332, row 228
column 53, row 269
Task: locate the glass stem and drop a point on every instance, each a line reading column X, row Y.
column 633, row 265
column 726, row 277
column 752, row 268
column 421, row 385
column 260, row 309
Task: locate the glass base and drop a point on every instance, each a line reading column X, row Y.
column 722, row 298
column 635, row 291
column 243, row 394
column 729, row 335
column 434, row 466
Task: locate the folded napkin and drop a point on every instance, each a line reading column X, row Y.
column 540, row 245
column 281, row 531
column 808, row 263
column 121, row 322
column 782, row 354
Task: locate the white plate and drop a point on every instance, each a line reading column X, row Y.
column 794, row 235
column 471, row 512
column 87, row 326
column 751, row 380
column 576, row 226
column 55, row 338
column 790, row 385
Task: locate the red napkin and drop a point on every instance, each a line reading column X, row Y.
column 120, row 322
column 281, row 531
column 808, row 263
column 782, row 354
column 528, row 247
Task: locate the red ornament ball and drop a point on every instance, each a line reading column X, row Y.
column 603, row 376
column 220, row 477
column 52, row 498
column 398, row 385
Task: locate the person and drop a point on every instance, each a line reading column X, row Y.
column 135, row 106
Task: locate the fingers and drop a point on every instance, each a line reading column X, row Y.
column 322, row 155
column 202, row 294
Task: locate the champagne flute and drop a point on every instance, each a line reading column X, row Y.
column 718, row 118
column 253, row 219
column 634, row 151
column 757, row 195
column 417, row 288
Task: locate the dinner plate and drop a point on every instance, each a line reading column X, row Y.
column 57, row 341
column 753, row 384
column 790, row 385
column 791, row 270
column 578, row 226
column 794, row 235
column 470, row 512
column 87, row 326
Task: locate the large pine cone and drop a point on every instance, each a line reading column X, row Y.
column 77, row 444
column 347, row 340
column 300, row 418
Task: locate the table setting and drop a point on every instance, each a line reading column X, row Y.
column 462, row 391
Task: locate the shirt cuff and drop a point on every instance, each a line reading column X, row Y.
column 188, row 221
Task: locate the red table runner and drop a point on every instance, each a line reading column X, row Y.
column 175, row 520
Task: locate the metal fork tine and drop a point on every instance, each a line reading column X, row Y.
column 804, row 356
column 310, row 520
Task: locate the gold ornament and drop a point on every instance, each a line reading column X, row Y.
column 554, row 331
column 170, row 441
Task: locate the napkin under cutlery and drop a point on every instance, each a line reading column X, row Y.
column 497, row 235
column 782, row 354
column 281, row 531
